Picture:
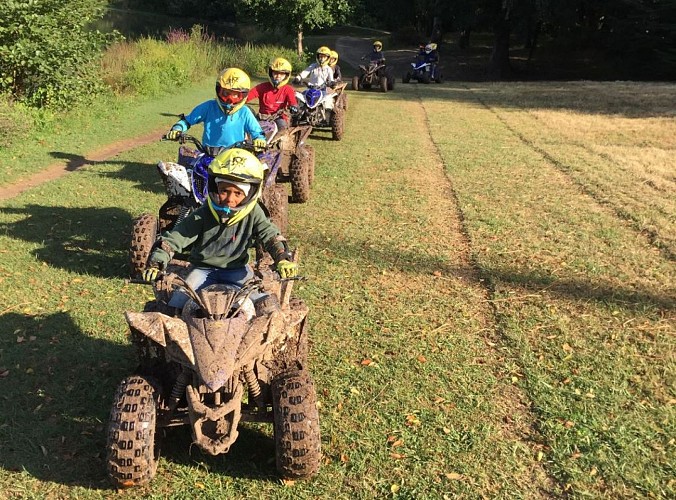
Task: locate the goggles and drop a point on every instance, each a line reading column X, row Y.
column 232, row 96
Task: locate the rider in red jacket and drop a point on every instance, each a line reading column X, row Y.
column 276, row 94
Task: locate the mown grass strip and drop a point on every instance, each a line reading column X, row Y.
column 586, row 306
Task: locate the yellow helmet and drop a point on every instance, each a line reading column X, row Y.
column 279, row 65
column 323, row 51
column 378, row 45
column 236, row 166
column 232, row 87
column 333, row 60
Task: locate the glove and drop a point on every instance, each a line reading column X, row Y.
column 173, row 134
column 150, row 274
column 293, row 109
column 287, row 269
column 296, row 80
column 332, row 84
column 259, row 145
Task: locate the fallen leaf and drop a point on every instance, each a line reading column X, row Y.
column 436, row 273
column 446, row 430
column 439, row 399
column 44, row 450
column 200, row 486
column 366, row 362
column 391, row 439
column 412, row 420
column 20, row 340
column 568, row 424
column 397, row 456
column 454, row 476
column 422, row 359
column 4, row 372
column 288, row 482
column 344, row 458
column 566, row 347
column 398, row 442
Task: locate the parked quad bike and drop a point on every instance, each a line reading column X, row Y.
column 375, row 74
column 423, row 72
column 319, row 108
column 220, row 362
column 289, row 155
column 186, row 185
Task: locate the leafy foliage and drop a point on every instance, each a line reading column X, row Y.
column 47, row 56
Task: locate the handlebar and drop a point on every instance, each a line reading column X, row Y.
column 183, row 138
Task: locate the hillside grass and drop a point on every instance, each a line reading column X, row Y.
column 489, row 315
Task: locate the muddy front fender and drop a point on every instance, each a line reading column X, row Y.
column 170, row 333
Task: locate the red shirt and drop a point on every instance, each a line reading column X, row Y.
column 271, row 99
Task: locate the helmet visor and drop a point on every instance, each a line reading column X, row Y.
column 232, row 96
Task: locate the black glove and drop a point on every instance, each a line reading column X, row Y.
column 293, row 109
column 332, row 84
column 296, row 80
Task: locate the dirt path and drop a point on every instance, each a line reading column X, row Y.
column 57, row 170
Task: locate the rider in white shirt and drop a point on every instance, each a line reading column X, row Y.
column 319, row 73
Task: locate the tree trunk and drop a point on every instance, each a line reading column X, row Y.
column 299, row 45
column 498, row 65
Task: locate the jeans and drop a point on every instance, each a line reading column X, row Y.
column 201, row 277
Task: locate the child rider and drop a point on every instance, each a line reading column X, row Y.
column 221, row 231
column 226, row 119
column 276, row 94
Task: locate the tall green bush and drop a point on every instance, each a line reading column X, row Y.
column 48, row 57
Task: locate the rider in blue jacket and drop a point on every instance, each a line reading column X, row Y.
column 226, row 119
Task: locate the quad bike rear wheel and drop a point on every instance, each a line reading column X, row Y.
column 276, row 201
column 383, row 84
column 143, row 236
column 296, row 425
column 390, row 82
column 132, row 451
column 337, row 123
column 310, row 150
column 355, row 83
column 439, row 78
column 299, row 171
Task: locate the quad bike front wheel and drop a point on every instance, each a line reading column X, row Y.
column 131, row 448
column 296, row 425
column 337, row 123
column 143, row 236
column 355, row 83
column 390, row 82
column 299, row 171
column 383, row 84
column 276, row 201
column 407, row 77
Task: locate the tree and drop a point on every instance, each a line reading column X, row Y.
column 298, row 16
column 47, row 54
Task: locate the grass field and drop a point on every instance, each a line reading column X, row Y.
column 491, row 284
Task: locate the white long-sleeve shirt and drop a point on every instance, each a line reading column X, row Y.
column 317, row 75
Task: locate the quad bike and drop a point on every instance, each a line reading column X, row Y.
column 221, row 361
column 375, row 74
column 186, row 185
column 319, row 108
column 289, row 155
column 423, row 72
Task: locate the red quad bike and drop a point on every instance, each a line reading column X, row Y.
column 219, row 362
column 289, row 155
column 186, row 185
column 376, row 74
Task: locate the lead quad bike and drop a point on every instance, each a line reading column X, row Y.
column 218, row 363
column 318, row 107
column 185, row 183
column 289, row 155
column 375, row 74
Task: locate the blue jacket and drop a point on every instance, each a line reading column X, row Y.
column 221, row 130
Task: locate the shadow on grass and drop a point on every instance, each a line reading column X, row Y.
column 144, row 175
column 88, row 240
column 54, row 403
column 366, row 253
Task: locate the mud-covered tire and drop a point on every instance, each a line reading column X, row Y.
column 342, row 101
column 406, row 78
column 337, row 123
column 296, row 425
column 355, row 83
column 310, row 150
column 143, row 236
column 383, row 84
column 299, row 173
column 131, row 446
column 276, row 201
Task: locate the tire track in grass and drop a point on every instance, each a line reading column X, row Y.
column 403, row 337
column 497, row 332
column 650, row 234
